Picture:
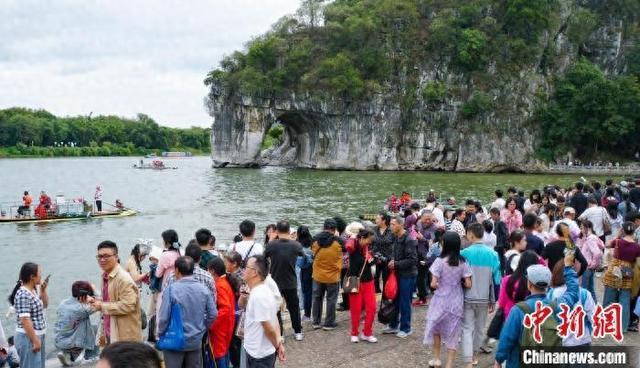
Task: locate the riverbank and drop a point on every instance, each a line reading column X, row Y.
column 23, row 151
column 625, row 171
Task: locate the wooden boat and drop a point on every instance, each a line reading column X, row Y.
column 152, row 167
column 176, row 154
column 89, row 216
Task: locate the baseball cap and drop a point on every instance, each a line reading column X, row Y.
column 539, row 275
column 569, row 210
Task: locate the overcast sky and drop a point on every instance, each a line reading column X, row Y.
column 123, row 56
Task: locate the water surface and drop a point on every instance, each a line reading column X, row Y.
column 195, row 196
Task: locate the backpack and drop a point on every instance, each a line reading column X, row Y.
column 507, row 265
column 584, row 294
column 243, row 263
column 549, row 329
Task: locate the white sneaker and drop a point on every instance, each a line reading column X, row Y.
column 91, row 360
column 389, row 330
column 354, row 339
column 298, row 336
column 64, row 359
column 403, row 335
column 371, row 339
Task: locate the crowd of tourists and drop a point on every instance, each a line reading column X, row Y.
column 214, row 308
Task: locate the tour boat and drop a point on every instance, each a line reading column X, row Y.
column 154, row 165
column 60, row 218
column 177, row 154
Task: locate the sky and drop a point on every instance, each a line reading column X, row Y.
column 123, row 57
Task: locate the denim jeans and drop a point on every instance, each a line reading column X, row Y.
column 223, row 362
column 622, row 296
column 29, row 359
column 406, row 285
column 587, row 283
column 306, row 283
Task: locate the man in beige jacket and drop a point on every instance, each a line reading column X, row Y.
column 120, row 305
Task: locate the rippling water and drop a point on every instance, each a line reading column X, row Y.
column 195, row 196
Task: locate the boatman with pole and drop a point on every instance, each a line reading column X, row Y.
column 98, row 198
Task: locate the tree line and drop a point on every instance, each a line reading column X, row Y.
column 39, row 133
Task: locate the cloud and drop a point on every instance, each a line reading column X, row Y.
column 123, row 57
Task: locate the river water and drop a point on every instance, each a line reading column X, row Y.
column 193, row 196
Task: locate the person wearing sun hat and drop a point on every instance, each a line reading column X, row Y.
column 538, row 280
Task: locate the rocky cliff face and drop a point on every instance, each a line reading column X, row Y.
column 379, row 134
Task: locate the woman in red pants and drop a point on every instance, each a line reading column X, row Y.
column 360, row 262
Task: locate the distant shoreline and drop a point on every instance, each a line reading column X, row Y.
column 67, row 152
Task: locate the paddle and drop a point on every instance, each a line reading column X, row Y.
column 114, row 206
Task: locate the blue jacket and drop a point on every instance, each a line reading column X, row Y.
column 509, row 343
column 485, row 265
column 73, row 328
column 196, row 304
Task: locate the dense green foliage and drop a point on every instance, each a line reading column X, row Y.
column 368, row 46
column 39, row 133
column 590, row 113
column 273, row 136
column 352, row 49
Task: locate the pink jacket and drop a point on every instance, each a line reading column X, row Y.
column 506, row 301
column 512, row 220
column 166, row 265
column 591, row 247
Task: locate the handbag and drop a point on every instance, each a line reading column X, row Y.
column 496, row 324
column 391, row 286
column 173, row 337
column 208, row 360
column 351, row 284
column 387, row 312
column 627, row 272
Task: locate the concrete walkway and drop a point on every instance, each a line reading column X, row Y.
column 333, row 349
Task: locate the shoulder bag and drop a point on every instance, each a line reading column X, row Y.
column 351, row 284
column 173, row 338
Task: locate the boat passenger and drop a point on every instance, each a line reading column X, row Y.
column 26, row 204
column 45, row 200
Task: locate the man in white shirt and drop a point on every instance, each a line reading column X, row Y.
column 499, row 202
column 434, row 209
column 569, row 215
column 596, row 215
column 262, row 341
column 248, row 247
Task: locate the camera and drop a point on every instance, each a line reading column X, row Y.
column 380, row 257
